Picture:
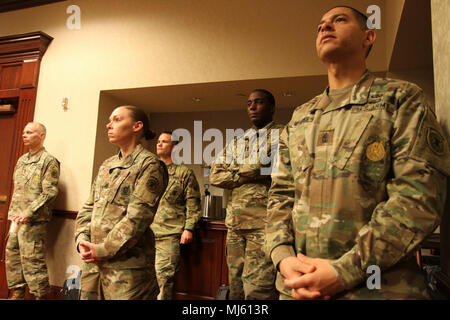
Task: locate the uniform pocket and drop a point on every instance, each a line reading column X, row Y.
column 348, row 135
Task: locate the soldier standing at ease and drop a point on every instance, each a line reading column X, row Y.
column 361, row 178
column 112, row 230
column 35, row 188
column 238, row 167
column 178, row 212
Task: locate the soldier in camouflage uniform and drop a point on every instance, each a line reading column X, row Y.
column 361, row 178
column 238, row 167
column 178, row 212
column 35, row 188
column 112, row 230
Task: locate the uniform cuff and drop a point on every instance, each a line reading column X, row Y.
column 81, row 237
column 28, row 213
column 281, row 252
column 348, row 271
column 249, row 170
column 102, row 253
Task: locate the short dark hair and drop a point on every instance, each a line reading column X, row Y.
column 360, row 17
column 171, row 135
column 139, row 115
column 268, row 95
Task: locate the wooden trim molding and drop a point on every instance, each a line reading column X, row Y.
column 65, row 214
column 24, row 47
column 11, row 5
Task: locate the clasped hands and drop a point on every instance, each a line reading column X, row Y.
column 88, row 252
column 310, row 278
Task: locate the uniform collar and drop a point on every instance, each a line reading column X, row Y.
column 32, row 158
column 171, row 168
column 359, row 95
column 266, row 127
column 128, row 161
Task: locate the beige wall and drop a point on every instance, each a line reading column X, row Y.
column 392, row 14
column 441, row 42
column 422, row 77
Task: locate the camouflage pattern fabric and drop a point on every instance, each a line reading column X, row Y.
column 251, row 272
column 167, row 264
column 25, row 259
column 248, row 205
column 35, row 186
column 117, row 284
column 35, row 189
column 117, row 217
column 361, row 181
column 247, row 211
column 179, row 210
column 180, row 206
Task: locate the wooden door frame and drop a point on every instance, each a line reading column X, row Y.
column 26, row 50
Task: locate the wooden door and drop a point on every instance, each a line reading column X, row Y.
column 20, row 58
column 7, row 132
column 9, row 81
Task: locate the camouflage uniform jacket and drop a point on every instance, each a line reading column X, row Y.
column 362, row 182
column 120, row 208
column 180, row 207
column 35, row 186
column 241, row 158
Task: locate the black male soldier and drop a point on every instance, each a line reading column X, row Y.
column 361, row 178
column 35, row 188
column 239, row 168
column 178, row 212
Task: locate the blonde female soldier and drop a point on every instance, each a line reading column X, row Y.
column 112, row 231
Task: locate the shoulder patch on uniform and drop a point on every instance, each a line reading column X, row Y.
column 430, row 144
column 54, row 173
column 152, row 184
column 436, row 142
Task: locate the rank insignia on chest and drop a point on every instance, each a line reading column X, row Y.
column 375, row 151
column 325, row 138
column 36, row 178
column 126, row 191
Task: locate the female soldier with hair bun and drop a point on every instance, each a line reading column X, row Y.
column 112, row 231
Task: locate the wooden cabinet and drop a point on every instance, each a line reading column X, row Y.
column 203, row 267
